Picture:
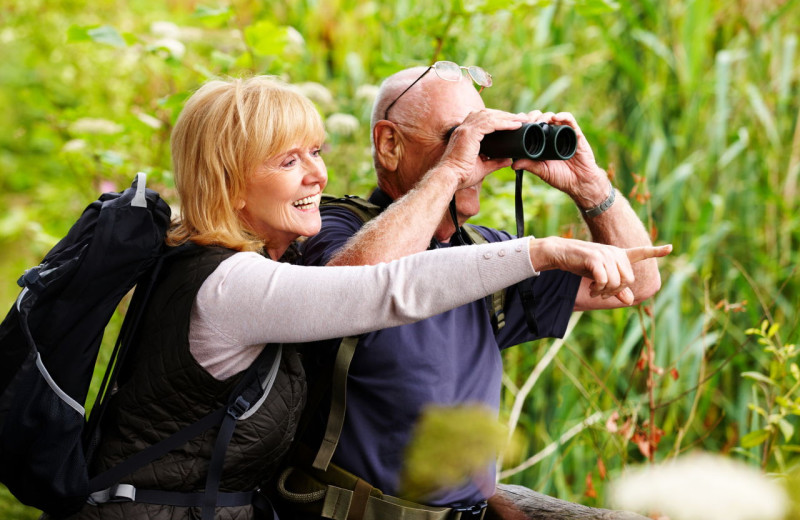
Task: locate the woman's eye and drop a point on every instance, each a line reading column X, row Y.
column 317, row 152
column 288, row 163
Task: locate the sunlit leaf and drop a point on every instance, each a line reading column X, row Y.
column 596, row 7
column 78, row 34
column 108, row 35
column 755, row 438
column 104, row 34
column 787, row 429
column 222, row 59
column 757, row 376
column 266, row 38
column 773, row 330
column 213, row 16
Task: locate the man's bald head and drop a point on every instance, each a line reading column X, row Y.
column 409, row 105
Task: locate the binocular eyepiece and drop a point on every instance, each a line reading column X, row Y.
column 538, row 141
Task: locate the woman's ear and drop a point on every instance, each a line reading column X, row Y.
column 239, row 204
column 388, row 146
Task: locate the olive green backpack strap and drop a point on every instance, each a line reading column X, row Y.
column 366, row 211
column 497, row 300
column 333, row 429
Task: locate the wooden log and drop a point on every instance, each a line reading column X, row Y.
column 512, row 502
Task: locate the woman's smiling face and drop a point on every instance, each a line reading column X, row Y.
column 282, row 198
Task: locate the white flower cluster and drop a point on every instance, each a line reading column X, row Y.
column 174, row 48
column 367, row 93
column 701, row 487
column 316, row 92
column 170, row 38
column 342, row 124
column 91, row 125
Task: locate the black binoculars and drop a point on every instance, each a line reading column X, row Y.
column 538, row 141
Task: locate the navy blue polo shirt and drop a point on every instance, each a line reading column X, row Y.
column 449, row 359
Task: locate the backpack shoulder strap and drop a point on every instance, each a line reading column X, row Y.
column 363, row 209
column 366, row 211
column 497, row 300
column 246, row 397
column 333, row 428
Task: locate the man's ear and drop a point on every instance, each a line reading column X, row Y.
column 388, row 147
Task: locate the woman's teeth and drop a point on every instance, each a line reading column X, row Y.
column 307, row 202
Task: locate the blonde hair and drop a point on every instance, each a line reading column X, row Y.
column 226, row 129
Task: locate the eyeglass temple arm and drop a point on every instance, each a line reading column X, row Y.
column 386, row 112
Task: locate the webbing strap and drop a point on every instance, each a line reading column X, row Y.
column 225, row 416
column 358, row 505
column 176, row 498
column 496, row 301
column 338, row 403
column 248, row 389
column 367, row 210
column 129, row 493
column 518, row 210
column 454, row 217
column 334, row 494
column 108, row 478
column 339, row 505
column 211, row 494
column 526, row 286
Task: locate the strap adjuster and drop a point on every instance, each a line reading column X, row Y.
column 116, row 493
column 239, row 407
column 471, row 512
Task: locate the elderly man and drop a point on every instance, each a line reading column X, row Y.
column 427, row 126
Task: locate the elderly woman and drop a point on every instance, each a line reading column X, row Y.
column 249, row 174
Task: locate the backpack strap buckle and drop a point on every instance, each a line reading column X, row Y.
column 116, row 493
column 474, row 512
column 238, row 408
column 31, row 278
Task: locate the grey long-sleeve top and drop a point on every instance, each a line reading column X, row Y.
column 249, row 300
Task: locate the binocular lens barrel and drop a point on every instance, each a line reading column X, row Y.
column 538, row 141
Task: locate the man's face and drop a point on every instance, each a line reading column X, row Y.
column 426, row 138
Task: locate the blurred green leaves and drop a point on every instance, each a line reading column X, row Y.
column 213, row 16
column 104, row 34
column 449, row 445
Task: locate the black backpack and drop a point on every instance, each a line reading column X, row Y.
column 49, row 344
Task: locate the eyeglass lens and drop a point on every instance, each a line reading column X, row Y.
column 450, row 71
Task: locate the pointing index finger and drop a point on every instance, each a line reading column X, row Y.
column 637, row 254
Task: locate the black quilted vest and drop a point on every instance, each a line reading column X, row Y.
column 166, row 390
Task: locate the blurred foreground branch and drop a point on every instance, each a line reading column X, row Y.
column 512, row 502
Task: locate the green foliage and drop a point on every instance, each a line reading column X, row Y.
column 776, row 400
column 692, row 106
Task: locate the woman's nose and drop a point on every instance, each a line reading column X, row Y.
column 317, row 172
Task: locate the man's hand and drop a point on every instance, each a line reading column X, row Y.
column 579, row 177
column 462, row 153
column 609, row 268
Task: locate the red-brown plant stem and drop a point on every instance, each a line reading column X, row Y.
column 651, row 384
